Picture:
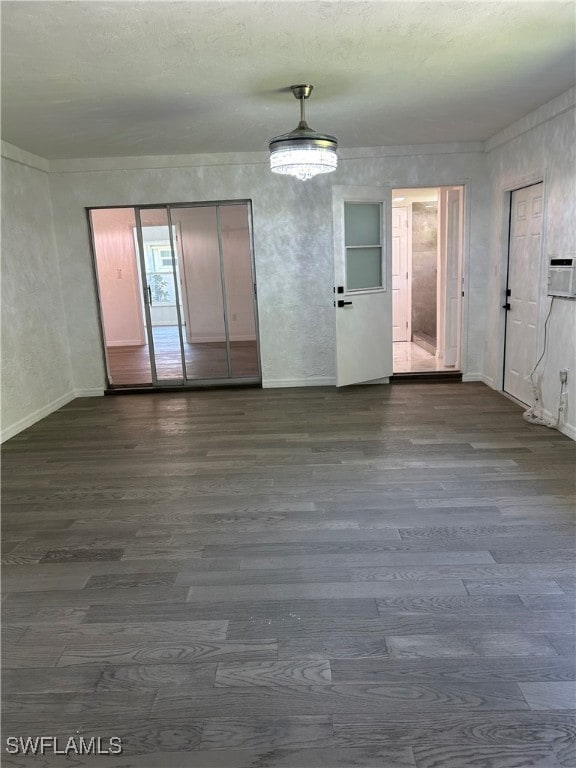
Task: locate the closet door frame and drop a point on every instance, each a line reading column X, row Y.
column 183, row 383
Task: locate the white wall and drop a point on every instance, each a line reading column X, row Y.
column 539, row 147
column 293, row 241
column 36, row 373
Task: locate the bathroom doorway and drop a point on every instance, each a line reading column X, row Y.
column 427, row 248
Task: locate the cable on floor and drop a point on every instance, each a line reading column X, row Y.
column 535, row 414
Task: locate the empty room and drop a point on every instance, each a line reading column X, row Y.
column 288, row 384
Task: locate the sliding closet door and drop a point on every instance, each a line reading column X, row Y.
column 214, row 245
column 177, row 293
column 120, row 294
column 203, row 292
column 239, row 284
column 155, row 237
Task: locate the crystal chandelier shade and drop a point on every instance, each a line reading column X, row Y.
column 303, row 153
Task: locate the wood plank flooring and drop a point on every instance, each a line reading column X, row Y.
column 381, row 577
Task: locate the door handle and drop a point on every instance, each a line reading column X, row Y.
column 506, row 306
column 149, row 295
column 342, row 303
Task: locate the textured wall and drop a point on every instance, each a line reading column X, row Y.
column 293, row 241
column 545, row 149
column 36, row 368
column 424, row 268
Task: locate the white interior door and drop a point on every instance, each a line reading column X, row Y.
column 451, row 213
column 401, row 305
column 363, row 293
column 524, row 261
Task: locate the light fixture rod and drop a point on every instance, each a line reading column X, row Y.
column 302, row 92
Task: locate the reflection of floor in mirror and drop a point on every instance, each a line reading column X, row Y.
column 131, row 365
column 410, row 358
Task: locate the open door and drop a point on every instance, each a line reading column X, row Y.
column 450, row 274
column 363, row 291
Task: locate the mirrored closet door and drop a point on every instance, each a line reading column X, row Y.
column 176, row 287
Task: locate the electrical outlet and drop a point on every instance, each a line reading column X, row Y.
column 563, row 375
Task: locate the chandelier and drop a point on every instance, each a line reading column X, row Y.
column 303, row 153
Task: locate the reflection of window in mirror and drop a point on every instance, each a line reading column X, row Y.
column 162, row 257
column 159, row 268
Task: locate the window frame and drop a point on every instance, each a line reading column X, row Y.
column 380, row 245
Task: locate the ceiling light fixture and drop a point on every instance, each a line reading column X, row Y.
column 303, row 153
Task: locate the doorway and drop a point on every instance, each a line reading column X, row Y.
column 522, row 290
column 176, row 286
column 427, row 254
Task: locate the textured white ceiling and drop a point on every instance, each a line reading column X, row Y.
column 93, row 79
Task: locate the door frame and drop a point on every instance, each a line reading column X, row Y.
column 465, row 276
column 186, row 383
column 442, row 274
column 408, row 265
column 505, row 211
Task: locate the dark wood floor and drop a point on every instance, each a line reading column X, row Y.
column 379, row 577
column 206, row 360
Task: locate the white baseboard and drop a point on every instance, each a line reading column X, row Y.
column 94, row 392
column 7, row 432
column 32, row 418
column 317, row 381
column 477, row 377
column 566, row 429
column 569, row 431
